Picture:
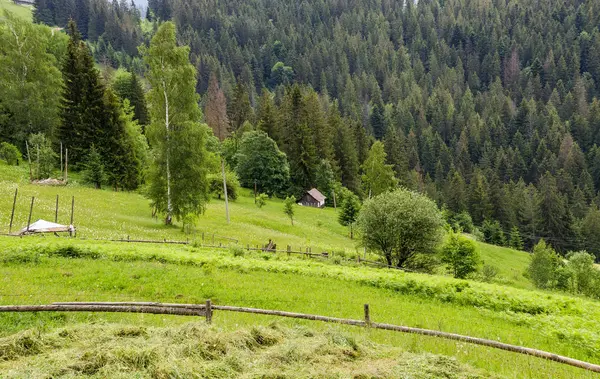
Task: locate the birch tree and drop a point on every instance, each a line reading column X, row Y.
column 178, row 185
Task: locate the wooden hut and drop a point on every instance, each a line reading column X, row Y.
column 313, row 198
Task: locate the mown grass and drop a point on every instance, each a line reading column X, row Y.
column 22, row 11
column 195, row 350
column 44, row 270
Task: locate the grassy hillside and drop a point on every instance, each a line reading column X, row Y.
column 114, row 215
column 43, row 270
column 22, row 11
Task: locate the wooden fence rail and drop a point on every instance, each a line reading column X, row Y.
column 208, row 308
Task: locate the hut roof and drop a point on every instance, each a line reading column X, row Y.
column 316, row 195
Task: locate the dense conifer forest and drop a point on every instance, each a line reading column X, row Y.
column 490, row 107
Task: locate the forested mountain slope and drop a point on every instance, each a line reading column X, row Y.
column 488, row 106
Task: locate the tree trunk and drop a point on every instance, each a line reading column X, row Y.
column 225, row 189
column 388, row 258
column 169, row 217
column 351, row 232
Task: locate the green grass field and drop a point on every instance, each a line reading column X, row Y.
column 22, row 11
column 39, row 270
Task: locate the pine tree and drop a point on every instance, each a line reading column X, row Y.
column 349, row 212
column 240, row 109
column 344, row 149
column 82, row 100
column 515, row 240
column 178, row 185
column 554, row 220
column 377, row 117
column 94, row 169
column 298, row 142
column 122, row 159
column 266, row 116
column 127, row 86
column 378, row 176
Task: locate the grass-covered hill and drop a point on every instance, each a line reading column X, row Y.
column 39, row 270
column 22, row 11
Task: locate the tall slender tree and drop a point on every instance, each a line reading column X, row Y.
column 178, row 185
column 216, row 118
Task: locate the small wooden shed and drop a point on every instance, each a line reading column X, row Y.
column 313, row 198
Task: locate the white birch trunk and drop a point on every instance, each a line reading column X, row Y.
column 168, row 220
column 225, row 189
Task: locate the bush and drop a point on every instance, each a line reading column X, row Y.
column 462, row 222
column 237, row 251
column 288, row 207
column 10, row 153
column 400, row 224
column 461, row 256
column 489, row 272
column 215, row 185
column 261, row 200
column 427, row 263
column 582, row 272
column 544, row 266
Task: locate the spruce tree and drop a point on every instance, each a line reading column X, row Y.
column 94, row 169
column 554, row 219
column 515, row 240
column 378, row 176
column 344, row 149
column 82, row 100
column 349, row 212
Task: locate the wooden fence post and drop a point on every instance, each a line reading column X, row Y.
column 29, row 160
column 56, row 210
column 72, row 209
column 208, row 311
column 367, row 316
column 289, row 250
column 12, row 214
column 30, row 211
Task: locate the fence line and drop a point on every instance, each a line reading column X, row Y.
column 208, row 308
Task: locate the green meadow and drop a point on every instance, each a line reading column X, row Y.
column 23, row 11
column 45, row 269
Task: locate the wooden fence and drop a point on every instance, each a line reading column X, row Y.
column 206, row 310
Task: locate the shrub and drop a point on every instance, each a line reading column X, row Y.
column 10, row 153
column 400, row 224
column 462, row 222
column 261, row 200
column 427, row 263
column 460, row 254
column 215, row 185
column 288, row 207
column 489, row 272
column 582, row 272
column 237, row 251
column 544, row 265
